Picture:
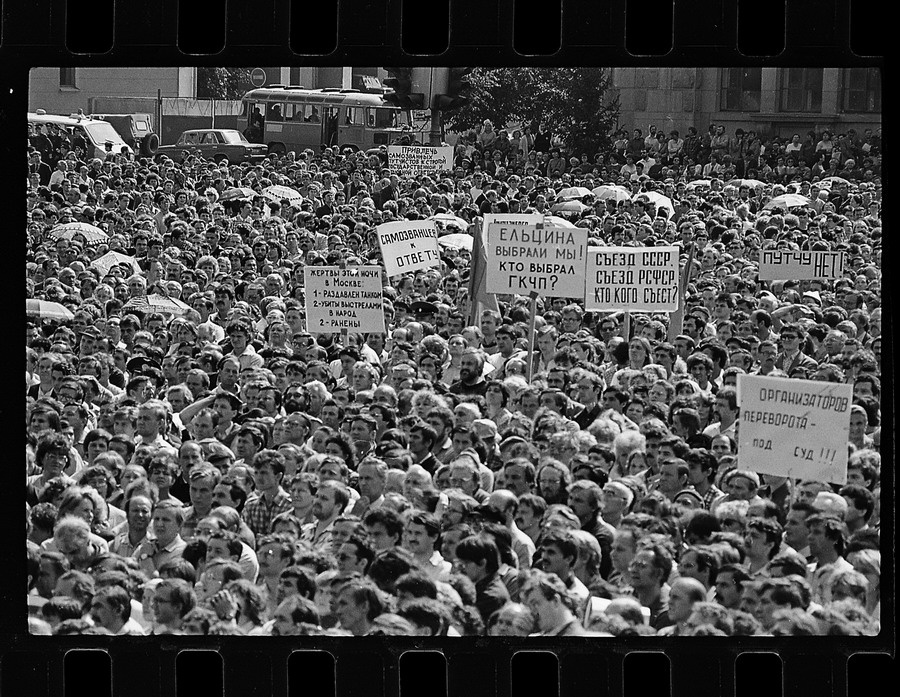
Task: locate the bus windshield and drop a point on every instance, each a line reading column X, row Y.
column 384, row 118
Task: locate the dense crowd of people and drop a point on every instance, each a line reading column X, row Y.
column 217, row 468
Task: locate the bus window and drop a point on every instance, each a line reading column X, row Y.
column 299, row 112
column 293, row 112
column 382, row 118
column 314, row 116
column 353, row 116
column 274, row 113
column 330, row 128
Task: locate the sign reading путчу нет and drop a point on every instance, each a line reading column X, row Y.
column 523, row 258
column 643, row 279
column 796, row 265
column 794, row 428
column 344, row 299
column 407, row 160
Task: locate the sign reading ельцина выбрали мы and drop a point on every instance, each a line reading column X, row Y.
column 524, row 258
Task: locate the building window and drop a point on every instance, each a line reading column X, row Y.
column 67, row 77
column 862, row 90
column 741, row 89
column 801, row 89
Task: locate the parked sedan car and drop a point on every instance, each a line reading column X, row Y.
column 218, row 144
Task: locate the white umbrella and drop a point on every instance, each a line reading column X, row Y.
column 657, row 199
column 836, row 180
column 612, row 192
column 752, row 183
column 787, row 201
column 239, row 192
column 457, row 240
column 571, row 206
column 573, row 192
column 45, row 309
column 278, row 193
column 68, row 231
column 698, row 184
column 556, row 221
column 157, row 303
column 446, row 219
column 111, row 259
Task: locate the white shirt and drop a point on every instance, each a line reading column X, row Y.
column 437, row 568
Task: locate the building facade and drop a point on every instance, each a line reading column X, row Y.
column 169, row 95
column 66, row 90
column 771, row 101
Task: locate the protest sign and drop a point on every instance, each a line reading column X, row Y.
column 408, row 246
column 513, row 219
column 344, row 299
column 641, row 279
column 794, row 428
column 524, row 258
column 787, row 264
column 407, row 160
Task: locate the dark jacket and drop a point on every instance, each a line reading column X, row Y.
column 491, row 595
column 596, row 527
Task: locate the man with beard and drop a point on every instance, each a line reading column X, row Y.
column 471, row 374
column 331, row 499
column 584, row 500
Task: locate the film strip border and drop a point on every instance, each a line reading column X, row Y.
column 249, row 670
column 481, row 32
column 477, row 30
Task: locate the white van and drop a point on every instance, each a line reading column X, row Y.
column 100, row 136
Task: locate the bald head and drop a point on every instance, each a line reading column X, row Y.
column 629, row 609
column 504, row 501
column 683, row 595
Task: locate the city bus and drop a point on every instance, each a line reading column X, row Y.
column 295, row 118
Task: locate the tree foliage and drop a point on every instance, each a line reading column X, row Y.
column 222, row 83
column 573, row 103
